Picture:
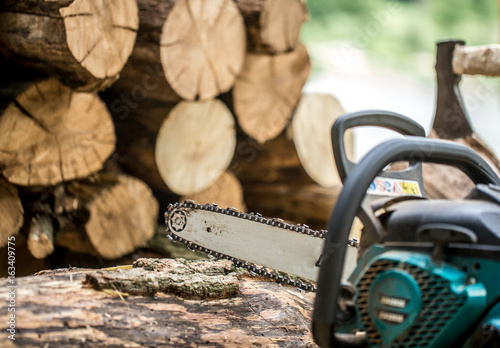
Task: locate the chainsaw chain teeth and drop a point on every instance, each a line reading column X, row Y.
column 254, row 269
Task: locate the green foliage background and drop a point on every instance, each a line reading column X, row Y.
column 413, row 26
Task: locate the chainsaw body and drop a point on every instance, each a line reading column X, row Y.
column 428, row 274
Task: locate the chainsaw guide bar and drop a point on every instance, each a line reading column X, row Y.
column 288, row 253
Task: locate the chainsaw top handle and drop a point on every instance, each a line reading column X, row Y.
column 349, row 201
column 379, row 118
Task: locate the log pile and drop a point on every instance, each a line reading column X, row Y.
column 111, row 110
column 186, row 144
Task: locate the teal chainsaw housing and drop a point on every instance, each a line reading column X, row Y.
column 405, row 299
column 428, row 274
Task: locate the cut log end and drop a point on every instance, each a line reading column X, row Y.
column 281, row 21
column 276, row 83
column 122, row 217
column 311, row 125
column 195, row 145
column 101, row 34
column 225, row 192
column 84, row 43
column 52, row 134
column 202, row 47
column 11, row 212
column 273, row 26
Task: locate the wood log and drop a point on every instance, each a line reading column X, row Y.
column 56, row 309
column 108, row 214
column 451, row 183
column 305, row 204
column 273, row 26
column 195, row 145
column 477, row 60
column 84, row 43
column 52, row 134
column 225, row 192
column 189, row 49
column 136, row 139
column 182, row 149
column 11, row 211
column 311, row 128
column 41, row 237
column 267, row 91
column 273, row 162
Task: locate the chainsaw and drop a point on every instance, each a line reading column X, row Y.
column 423, row 273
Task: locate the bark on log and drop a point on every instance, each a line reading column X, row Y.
column 56, row 309
column 273, row 26
column 311, row 125
column 84, row 43
column 305, row 204
column 107, row 215
column 273, row 162
column 276, row 82
column 11, row 211
column 51, row 134
column 136, row 134
column 184, row 149
column 225, row 192
column 189, row 49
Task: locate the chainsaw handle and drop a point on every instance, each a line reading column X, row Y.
column 379, row 118
column 348, row 204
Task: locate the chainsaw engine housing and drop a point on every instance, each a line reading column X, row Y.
column 404, row 299
column 429, row 270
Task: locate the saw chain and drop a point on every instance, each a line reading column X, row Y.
column 254, row 269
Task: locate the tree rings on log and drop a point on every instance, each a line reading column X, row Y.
column 115, row 213
column 122, row 218
column 195, row 145
column 267, row 91
column 85, row 44
column 51, row 134
column 202, row 47
column 273, row 26
column 311, row 129
column 11, row 212
column 225, row 192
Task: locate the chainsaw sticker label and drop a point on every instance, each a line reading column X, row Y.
column 394, row 187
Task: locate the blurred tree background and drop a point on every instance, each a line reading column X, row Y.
column 381, row 53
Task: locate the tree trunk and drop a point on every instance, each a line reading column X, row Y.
column 225, row 192
column 184, row 149
column 84, row 43
column 273, row 26
column 311, row 128
column 267, row 91
column 109, row 215
column 57, row 309
column 189, row 49
column 11, row 212
column 51, row 134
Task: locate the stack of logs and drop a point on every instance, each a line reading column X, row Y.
column 198, row 99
